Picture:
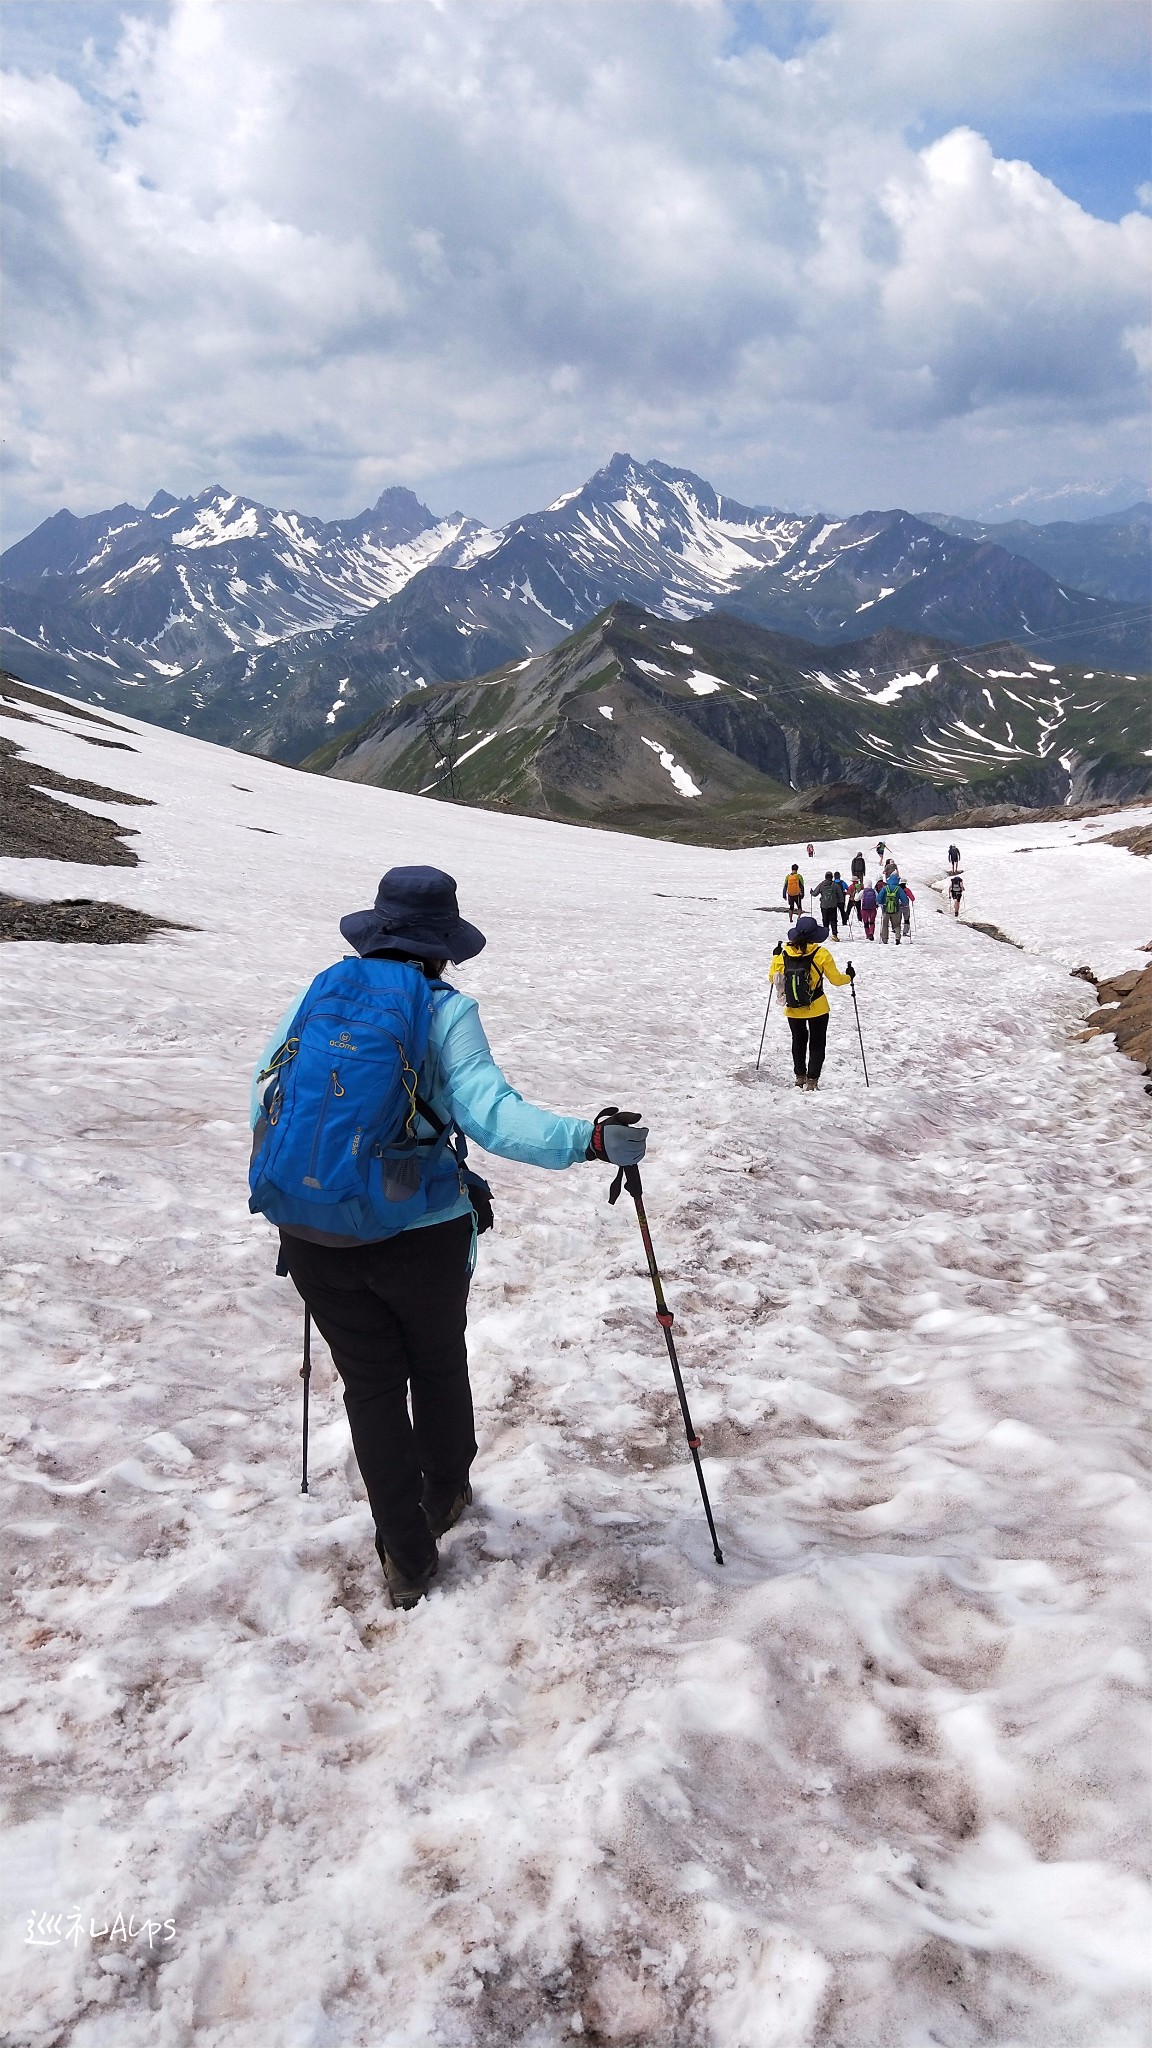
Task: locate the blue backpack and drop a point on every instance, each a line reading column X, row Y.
column 335, row 1149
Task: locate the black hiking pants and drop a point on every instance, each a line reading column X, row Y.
column 830, row 916
column 809, row 1043
column 393, row 1316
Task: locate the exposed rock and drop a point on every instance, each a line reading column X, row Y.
column 12, row 687
column 1126, row 1012
column 1137, row 838
column 33, row 826
column 1025, row 814
column 78, row 920
column 992, row 931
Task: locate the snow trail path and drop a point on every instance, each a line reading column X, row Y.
column 878, row 1783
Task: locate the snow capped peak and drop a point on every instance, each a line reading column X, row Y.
column 213, row 525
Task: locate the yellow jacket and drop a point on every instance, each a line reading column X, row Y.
column 823, row 964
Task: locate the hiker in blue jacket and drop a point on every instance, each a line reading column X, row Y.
column 393, row 1310
column 893, row 905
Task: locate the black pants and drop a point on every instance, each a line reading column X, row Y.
column 829, row 917
column 394, row 1316
column 809, row 1041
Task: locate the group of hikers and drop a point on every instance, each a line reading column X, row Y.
column 361, row 1108
column 889, row 897
column 956, row 882
column 801, row 964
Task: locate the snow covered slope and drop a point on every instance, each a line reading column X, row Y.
column 876, row 1782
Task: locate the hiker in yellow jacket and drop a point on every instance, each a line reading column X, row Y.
column 801, row 966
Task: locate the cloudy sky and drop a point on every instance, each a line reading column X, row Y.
column 835, row 255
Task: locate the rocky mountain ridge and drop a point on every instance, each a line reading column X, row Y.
column 153, row 593
column 720, row 731
column 270, row 632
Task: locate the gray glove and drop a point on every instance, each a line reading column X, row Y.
column 618, row 1137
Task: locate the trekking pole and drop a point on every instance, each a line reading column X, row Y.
column 306, row 1376
column 859, row 1033
column 629, row 1177
column 764, row 1026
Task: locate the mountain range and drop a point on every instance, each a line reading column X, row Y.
column 277, row 633
column 1066, row 499
column 1105, row 557
column 718, row 730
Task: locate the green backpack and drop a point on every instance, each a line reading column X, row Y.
column 803, row 982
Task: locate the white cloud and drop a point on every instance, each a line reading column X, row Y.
column 313, row 250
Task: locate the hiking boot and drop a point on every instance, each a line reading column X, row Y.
column 811, row 1085
column 405, row 1588
column 442, row 1516
column 800, row 1081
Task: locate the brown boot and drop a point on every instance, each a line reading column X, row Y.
column 404, row 1589
column 444, row 1515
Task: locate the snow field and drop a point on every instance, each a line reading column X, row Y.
column 875, row 1782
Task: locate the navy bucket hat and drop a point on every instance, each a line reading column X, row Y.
column 415, row 912
column 806, row 932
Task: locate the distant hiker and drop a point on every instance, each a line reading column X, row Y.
column 842, row 887
column 880, row 849
column 810, row 850
column 859, row 866
column 909, row 900
column 852, row 900
column 379, row 1236
column 794, row 889
column 801, row 967
column 956, row 893
column 828, row 897
column 869, row 904
column 954, row 858
column 893, row 904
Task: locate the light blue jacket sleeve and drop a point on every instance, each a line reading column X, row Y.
column 466, row 1087
column 277, row 1039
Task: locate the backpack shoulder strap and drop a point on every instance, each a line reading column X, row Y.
column 449, row 1136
